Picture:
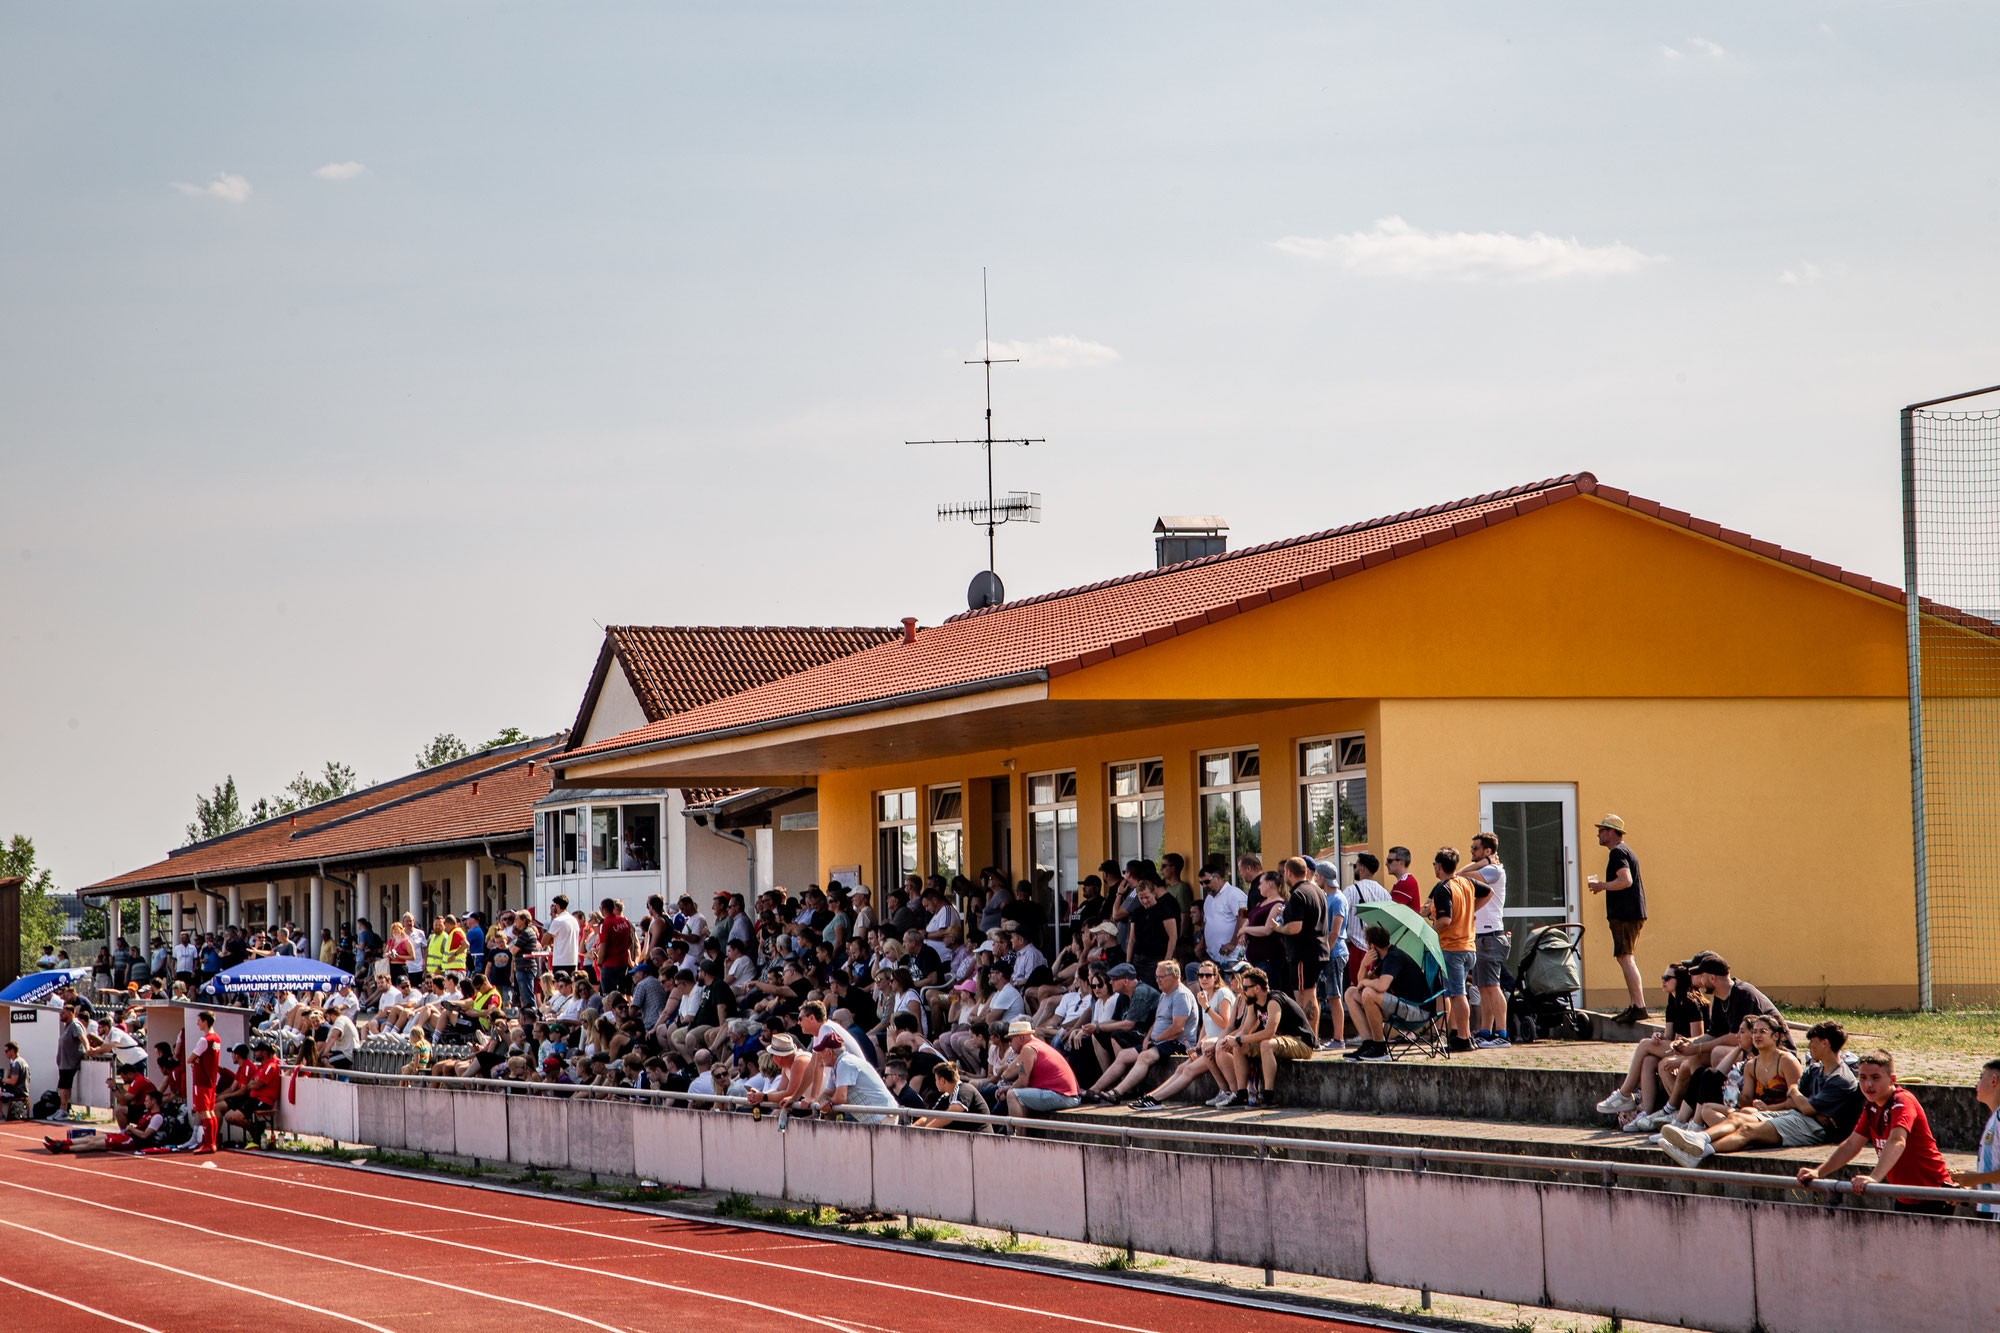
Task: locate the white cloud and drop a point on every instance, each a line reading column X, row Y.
column 226, row 186
column 1395, row 249
column 1696, row 46
column 1061, row 351
column 339, row 171
column 1803, row 274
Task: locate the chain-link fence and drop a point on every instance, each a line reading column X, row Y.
column 1951, row 575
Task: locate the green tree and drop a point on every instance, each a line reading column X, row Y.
column 507, row 736
column 444, row 748
column 92, row 926
column 337, row 779
column 218, row 813
column 39, row 918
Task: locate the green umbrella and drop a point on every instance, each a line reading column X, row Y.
column 1409, row 934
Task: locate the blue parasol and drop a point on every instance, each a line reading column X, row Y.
column 40, row 985
column 268, row 975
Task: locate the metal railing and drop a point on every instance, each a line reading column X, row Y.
column 1419, row 1159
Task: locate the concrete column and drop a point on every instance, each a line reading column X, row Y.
column 364, row 904
column 472, row 884
column 675, row 859
column 211, row 914
column 315, row 915
column 235, row 904
column 146, row 926
column 271, row 905
column 416, row 898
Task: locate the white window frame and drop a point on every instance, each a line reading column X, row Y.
column 1055, row 809
column 935, row 826
column 895, row 880
column 1236, row 784
column 1142, row 796
column 1343, row 771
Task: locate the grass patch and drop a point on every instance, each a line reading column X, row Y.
column 742, row 1206
column 1122, row 1261
column 1007, row 1244
column 1945, row 1046
column 916, row 1231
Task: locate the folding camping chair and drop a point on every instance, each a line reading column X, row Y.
column 1425, row 1036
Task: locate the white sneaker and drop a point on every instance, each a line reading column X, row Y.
column 1617, row 1102
column 1656, row 1141
column 1687, row 1146
column 1220, row 1099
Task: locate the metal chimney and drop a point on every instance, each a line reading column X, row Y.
column 1179, row 537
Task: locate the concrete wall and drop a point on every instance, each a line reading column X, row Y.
column 1723, row 1264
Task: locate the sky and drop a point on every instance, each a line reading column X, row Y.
column 359, row 362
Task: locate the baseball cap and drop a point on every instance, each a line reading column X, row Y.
column 1328, row 870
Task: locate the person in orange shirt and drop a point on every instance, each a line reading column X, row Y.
column 1450, row 910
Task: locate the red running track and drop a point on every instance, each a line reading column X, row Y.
column 246, row 1241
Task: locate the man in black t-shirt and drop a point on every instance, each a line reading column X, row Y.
column 954, row 1094
column 1624, row 910
column 1155, row 928
column 1305, row 938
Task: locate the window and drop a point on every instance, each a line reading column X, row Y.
column 947, row 831
column 604, row 850
column 1232, row 807
column 1052, row 824
column 1138, row 811
column 1333, row 797
column 895, row 837
column 559, row 838
column 641, row 849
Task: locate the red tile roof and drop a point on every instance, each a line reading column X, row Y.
column 486, row 795
column 675, row 668
column 1065, row 631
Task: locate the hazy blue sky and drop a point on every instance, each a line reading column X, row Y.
column 359, row 361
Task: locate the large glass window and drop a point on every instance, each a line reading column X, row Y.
column 604, row 849
column 1052, row 822
column 947, row 824
column 1138, row 793
column 641, row 830
column 1232, row 807
column 1333, row 797
column 895, row 837
column 559, row 841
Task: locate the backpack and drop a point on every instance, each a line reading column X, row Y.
column 47, row 1105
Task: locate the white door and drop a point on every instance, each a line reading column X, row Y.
column 1536, row 825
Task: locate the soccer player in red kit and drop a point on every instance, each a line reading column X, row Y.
column 204, row 1064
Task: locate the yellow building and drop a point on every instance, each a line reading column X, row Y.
column 1524, row 661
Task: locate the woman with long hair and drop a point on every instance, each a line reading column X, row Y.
column 1638, row 1099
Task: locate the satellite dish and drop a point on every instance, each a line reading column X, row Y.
column 986, row 590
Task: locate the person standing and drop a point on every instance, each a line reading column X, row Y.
column 614, row 945
column 204, row 1068
column 69, row 1057
column 1365, row 889
column 1624, row 909
column 1304, row 929
column 1490, row 939
column 1450, row 910
column 562, row 937
column 1333, row 968
column 1225, row 910
column 1402, row 884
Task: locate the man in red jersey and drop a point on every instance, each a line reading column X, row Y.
column 1893, row 1123
column 204, row 1066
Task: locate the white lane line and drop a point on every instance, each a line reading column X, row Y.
column 485, row 1251
column 78, row 1305
column 460, row 1211
column 288, row 1249
column 182, row 1272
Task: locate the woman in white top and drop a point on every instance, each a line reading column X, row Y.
column 1218, row 1004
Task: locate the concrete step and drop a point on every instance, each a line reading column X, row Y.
column 1522, row 1093
column 1440, row 1132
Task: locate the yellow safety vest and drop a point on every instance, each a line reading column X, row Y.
column 454, row 959
column 434, row 954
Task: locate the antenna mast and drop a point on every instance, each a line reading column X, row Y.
column 1017, row 506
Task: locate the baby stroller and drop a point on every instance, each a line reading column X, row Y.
column 1551, row 971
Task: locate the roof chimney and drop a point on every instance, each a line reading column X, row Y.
column 475, row 786
column 1178, row 537
column 909, row 629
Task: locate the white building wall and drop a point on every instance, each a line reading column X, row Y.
column 617, row 710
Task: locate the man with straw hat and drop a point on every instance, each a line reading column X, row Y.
column 1624, row 910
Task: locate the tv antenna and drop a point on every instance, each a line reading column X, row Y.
column 1014, row 506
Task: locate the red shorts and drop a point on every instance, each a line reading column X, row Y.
column 203, row 1101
